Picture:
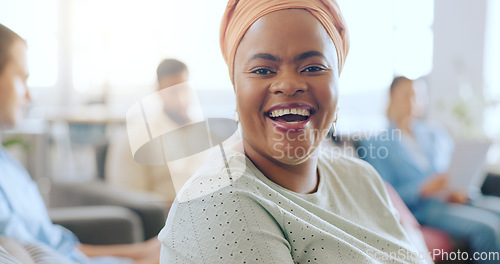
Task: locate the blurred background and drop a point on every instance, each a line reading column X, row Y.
column 91, row 60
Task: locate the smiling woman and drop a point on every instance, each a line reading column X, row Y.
column 271, row 75
column 276, row 197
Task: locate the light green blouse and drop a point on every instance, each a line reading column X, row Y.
column 246, row 218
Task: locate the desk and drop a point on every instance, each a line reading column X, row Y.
column 81, row 136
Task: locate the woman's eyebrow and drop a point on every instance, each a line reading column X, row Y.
column 309, row 54
column 270, row 57
column 265, row 56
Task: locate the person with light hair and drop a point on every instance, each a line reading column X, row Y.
column 24, row 219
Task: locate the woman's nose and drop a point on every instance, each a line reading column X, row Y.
column 22, row 90
column 288, row 83
column 28, row 95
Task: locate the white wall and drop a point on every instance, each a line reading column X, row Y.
column 459, row 33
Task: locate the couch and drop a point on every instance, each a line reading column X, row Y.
column 101, row 214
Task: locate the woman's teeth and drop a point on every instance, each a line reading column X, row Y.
column 292, row 111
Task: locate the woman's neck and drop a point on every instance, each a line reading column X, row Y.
column 300, row 178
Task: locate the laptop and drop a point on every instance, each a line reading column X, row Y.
column 467, row 173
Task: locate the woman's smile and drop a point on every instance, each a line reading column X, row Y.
column 290, row 117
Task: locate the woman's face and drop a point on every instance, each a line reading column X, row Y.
column 286, row 84
column 403, row 100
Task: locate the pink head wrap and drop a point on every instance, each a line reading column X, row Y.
column 241, row 14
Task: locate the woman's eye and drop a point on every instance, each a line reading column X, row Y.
column 262, row 71
column 313, row 69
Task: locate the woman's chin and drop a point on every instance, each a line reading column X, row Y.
column 295, row 161
column 291, row 154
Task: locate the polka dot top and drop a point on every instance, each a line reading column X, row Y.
column 229, row 212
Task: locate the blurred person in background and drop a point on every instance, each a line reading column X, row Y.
column 23, row 215
column 418, row 156
column 177, row 103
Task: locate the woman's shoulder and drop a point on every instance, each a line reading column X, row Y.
column 220, row 213
column 350, row 170
column 357, row 178
column 341, row 163
column 225, row 175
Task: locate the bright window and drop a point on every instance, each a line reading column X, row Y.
column 121, row 47
column 388, row 38
column 36, row 22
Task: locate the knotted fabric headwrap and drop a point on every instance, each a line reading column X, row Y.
column 241, row 14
